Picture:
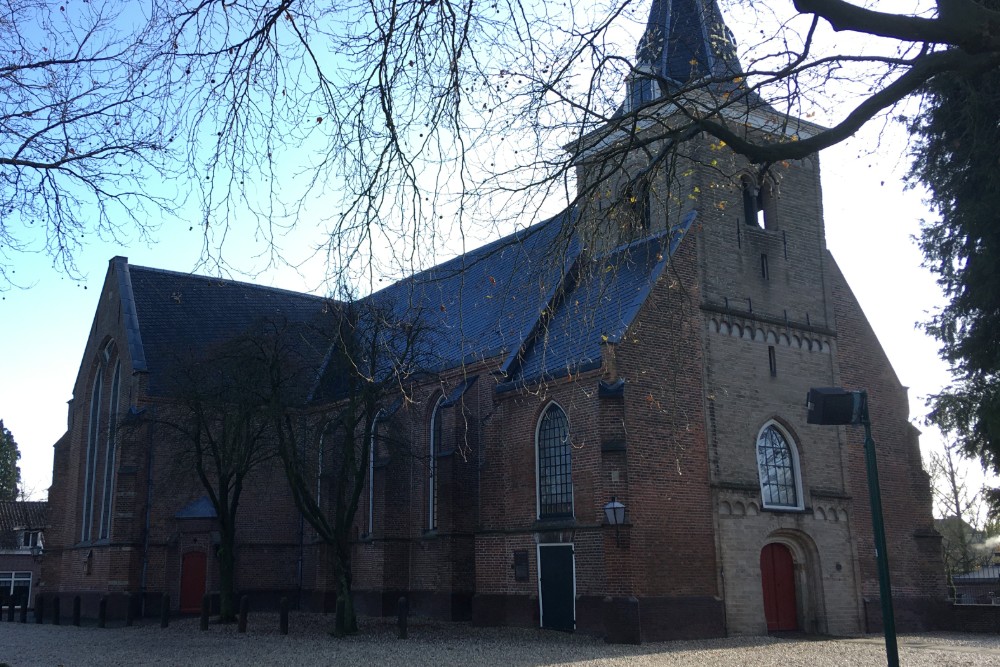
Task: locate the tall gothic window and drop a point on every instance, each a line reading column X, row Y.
column 372, row 446
column 436, row 438
column 109, row 454
column 555, row 470
column 90, row 471
column 778, row 466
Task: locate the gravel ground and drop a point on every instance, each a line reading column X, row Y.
column 434, row 644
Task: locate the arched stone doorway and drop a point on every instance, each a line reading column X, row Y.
column 791, row 586
column 777, row 579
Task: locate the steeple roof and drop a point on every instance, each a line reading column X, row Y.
column 685, row 41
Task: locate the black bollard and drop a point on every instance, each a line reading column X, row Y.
column 39, row 609
column 76, row 611
column 340, row 623
column 402, row 611
column 283, row 618
column 102, row 612
column 55, row 610
column 206, row 603
column 10, row 611
column 129, row 610
column 24, row 610
column 165, row 611
column 244, row 608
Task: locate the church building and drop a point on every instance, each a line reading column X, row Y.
column 610, row 433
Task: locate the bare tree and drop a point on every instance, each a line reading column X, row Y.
column 87, row 116
column 329, row 450
column 387, row 123
column 961, row 509
column 218, row 424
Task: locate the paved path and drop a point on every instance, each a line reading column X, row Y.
column 435, row 644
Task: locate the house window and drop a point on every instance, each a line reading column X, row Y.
column 434, row 449
column 554, row 452
column 90, row 472
column 778, row 466
column 31, row 538
column 109, row 458
column 15, row 587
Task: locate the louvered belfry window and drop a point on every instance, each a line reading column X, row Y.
column 555, row 469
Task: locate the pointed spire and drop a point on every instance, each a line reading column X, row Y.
column 685, row 40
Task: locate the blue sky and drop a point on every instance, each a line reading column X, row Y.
column 870, row 220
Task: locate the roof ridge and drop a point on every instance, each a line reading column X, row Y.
column 230, row 281
column 481, row 253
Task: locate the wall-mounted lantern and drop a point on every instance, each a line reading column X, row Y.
column 614, row 513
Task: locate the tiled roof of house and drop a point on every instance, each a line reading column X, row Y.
column 17, row 516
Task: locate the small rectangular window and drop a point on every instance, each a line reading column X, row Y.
column 520, row 566
column 772, row 361
column 764, row 272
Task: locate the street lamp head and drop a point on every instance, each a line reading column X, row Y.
column 834, row 406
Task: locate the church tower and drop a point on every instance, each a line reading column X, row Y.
column 773, row 317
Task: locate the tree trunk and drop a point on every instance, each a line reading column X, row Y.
column 348, row 623
column 227, row 578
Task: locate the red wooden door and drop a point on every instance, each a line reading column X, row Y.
column 192, row 581
column 777, row 578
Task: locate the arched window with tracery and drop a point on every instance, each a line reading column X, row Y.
column 554, row 464
column 90, row 470
column 778, row 467
column 372, row 447
column 434, row 448
column 110, row 452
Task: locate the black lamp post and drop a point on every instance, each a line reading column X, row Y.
column 834, row 406
column 614, row 512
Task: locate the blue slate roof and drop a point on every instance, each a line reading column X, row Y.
column 177, row 316
column 687, row 40
column 599, row 300
column 485, row 302
column 198, row 509
column 531, row 298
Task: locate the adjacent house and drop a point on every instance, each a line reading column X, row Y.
column 647, row 351
column 22, row 524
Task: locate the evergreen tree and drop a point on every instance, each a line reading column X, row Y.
column 955, row 158
column 10, row 473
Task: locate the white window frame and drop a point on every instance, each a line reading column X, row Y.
column 796, row 470
column 8, row 578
